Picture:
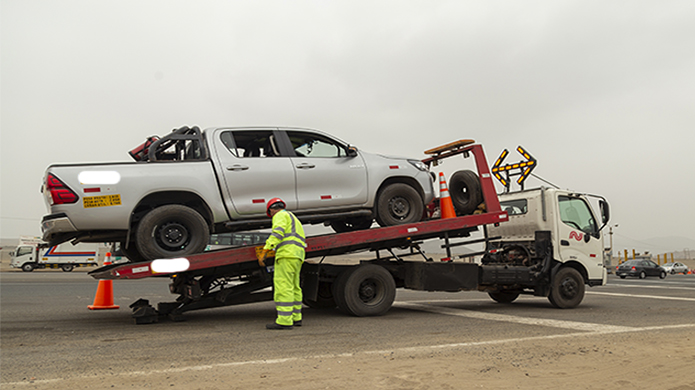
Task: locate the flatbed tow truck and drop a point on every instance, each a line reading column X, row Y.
column 525, row 262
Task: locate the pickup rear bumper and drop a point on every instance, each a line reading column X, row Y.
column 54, row 224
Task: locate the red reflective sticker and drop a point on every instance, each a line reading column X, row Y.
column 97, row 189
column 258, row 201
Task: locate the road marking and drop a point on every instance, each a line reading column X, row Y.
column 641, row 296
column 583, row 326
column 651, row 286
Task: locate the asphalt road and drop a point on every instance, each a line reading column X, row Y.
column 47, row 333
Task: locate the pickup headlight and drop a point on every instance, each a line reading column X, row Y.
column 419, row 165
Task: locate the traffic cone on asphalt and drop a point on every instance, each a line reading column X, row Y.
column 445, row 204
column 104, row 298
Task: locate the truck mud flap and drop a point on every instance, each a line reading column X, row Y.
column 447, row 276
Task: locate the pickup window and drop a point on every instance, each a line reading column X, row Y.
column 250, row 143
column 576, row 213
column 315, row 145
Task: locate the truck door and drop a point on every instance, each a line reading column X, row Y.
column 578, row 233
column 326, row 175
column 254, row 170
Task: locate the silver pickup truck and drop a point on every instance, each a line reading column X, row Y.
column 191, row 183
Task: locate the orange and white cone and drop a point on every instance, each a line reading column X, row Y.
column 104, row 298
column 445, row 204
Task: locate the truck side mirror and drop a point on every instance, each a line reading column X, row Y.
column 605, row 211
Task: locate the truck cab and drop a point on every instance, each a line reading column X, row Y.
column 549, row 230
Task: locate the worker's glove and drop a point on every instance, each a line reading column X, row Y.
column 262, row 255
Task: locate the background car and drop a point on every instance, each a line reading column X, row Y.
column 640, row 269
column 675, row 268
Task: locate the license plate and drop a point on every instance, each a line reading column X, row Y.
column 101, row 201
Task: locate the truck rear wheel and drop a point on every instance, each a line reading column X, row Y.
column 67, row 267
column 27, row 267
column 324, row 298
column 465, row 192
column 503, row 296
column 399, row 204
column 567, row 289
column 171, row 231
column 366, row 290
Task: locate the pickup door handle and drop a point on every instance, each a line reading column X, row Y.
column 564, row 243
column 306, row 166
column 237, row 167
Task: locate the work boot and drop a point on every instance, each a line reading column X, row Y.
column 297, row 323
column 274, row 326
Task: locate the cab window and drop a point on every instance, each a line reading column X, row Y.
column 23, row 250
column 515, row 207
column 315, row 145
column 575, row 213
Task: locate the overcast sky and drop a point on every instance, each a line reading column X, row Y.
column 601, row 93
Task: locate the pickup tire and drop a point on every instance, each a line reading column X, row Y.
column 365, row 290
column 398, row 204
column 567, row 288
column 170, row 231
column 465, row 192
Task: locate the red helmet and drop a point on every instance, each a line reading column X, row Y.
column 272, row 202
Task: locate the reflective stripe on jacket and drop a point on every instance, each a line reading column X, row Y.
column 287, row 237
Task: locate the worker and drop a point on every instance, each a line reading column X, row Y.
column 289, row 241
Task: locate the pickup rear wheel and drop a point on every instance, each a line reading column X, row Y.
column 567, row 288
column 170, row 231
column 399, row 204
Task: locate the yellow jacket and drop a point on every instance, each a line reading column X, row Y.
column 287, row 237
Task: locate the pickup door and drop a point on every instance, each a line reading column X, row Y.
column 308, row 170
column 326, row 176
column 253, row 170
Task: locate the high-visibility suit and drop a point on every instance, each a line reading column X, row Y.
column 289, row 241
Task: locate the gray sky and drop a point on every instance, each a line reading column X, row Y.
column 601, row 93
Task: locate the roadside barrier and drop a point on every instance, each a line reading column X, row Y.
column 104, row 297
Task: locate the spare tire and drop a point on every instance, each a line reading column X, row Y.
column 464, row 188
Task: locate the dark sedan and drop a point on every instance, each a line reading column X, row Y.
column 640, row 269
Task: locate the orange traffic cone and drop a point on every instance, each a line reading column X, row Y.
column 104, row 298
column 445, row 204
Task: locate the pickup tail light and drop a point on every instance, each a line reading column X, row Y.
column 60, row 193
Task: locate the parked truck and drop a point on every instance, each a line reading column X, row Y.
column 544, row 242
column 39, row 255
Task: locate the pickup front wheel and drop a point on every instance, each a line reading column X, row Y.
column 171, row 231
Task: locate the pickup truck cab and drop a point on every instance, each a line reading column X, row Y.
column 191, row 183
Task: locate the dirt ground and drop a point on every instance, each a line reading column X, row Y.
column 662, row 360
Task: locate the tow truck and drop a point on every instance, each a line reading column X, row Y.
column 532, row 245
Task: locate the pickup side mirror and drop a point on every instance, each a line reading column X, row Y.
column 352, row 151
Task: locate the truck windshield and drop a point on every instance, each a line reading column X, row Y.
column 23, row 250
column 575, row 212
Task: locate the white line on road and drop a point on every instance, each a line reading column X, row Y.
column 641, row 296
column 584, row 326
column 650, row 286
